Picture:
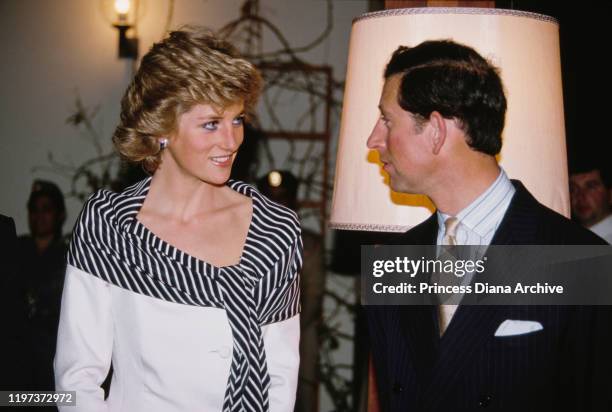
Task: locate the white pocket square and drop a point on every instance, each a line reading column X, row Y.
column 511, row 327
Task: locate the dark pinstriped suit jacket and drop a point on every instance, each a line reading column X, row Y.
column 562, row 367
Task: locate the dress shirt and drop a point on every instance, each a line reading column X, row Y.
column 480, row 219
column 603, row 229
column 477, row 225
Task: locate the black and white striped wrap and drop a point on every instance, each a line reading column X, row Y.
column 263, row 288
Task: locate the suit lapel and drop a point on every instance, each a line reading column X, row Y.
column 519, row 225
column 473, row 325
column 419, row 323
column 424, row 233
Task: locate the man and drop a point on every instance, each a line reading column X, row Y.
column 42, row 264
column 442, row 115
column 591, row 197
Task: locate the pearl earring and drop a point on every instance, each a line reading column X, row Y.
column 163, row 143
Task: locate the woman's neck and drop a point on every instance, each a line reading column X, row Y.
column 182, row 197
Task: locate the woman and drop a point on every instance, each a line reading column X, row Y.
column 188, row 282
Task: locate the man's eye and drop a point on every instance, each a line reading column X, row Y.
column 593, row 185
column 211, row 125
column 238, row 121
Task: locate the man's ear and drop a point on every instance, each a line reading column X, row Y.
column 438, row 130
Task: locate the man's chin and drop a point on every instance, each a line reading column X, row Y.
column 403, row 188
column 585, row 216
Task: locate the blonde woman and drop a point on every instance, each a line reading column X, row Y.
column 186, row 281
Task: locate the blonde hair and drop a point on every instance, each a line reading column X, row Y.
column 191, row 66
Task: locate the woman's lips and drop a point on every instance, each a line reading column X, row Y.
column 222, row 161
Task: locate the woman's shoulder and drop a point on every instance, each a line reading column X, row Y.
column 104, row 197
column 105, row 205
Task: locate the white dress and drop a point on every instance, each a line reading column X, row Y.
column 155, row 368
column 169, row 356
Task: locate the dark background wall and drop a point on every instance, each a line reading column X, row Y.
column 584, row 54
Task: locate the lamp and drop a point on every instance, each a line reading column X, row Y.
column 525, row 46
column 128, row 47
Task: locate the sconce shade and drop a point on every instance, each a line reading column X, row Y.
column 525, row 46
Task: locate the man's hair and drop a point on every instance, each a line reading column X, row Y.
column 189, row 67
column 586, row 166
column 44, row 188
column 456, row 81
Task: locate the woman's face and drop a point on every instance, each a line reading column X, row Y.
column 206, row 142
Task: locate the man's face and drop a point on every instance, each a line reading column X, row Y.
column 589, row 197
column 400, row 141
column 44, row 218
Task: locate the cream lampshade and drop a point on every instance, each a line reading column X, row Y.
column 525, row 46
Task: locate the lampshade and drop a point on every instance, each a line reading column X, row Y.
column 525, row 46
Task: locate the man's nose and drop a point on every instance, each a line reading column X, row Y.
column 376, row 139
column 578, row 194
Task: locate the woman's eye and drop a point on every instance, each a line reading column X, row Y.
column 211, row 125
column 238, row 121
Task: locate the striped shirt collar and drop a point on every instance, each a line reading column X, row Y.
column 485, row 213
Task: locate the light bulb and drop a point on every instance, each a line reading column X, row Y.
column 122, row 6
column 275, row 179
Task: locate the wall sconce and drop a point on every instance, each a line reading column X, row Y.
column 128, row 47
